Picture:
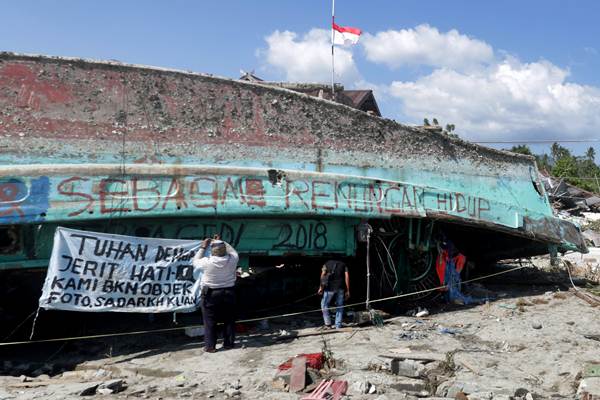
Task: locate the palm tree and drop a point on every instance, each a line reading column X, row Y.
column 590, row 154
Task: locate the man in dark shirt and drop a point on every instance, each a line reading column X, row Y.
column 335, row 282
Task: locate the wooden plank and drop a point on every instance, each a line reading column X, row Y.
column 298, row 374
column 590, row 299
column 316, row 333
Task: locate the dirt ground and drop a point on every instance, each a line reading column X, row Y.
column 528, row 342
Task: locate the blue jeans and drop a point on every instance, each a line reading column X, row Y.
column 339, row 302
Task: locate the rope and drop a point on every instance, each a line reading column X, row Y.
column 37, row 313
column 21, row 324
column 253, row 319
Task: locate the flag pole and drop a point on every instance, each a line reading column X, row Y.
column 332, row 56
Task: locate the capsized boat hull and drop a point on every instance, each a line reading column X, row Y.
column 85, row 141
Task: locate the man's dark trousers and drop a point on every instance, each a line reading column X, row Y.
column 218, row 305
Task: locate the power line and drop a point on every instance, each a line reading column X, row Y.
column 536, row 141
column 576, row 177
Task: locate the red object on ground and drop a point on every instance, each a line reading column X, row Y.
column 298, row 374
column 328, row 390
column 313, row 360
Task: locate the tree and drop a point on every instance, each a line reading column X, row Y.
column 521, row 149
column 543, row 162
column 590, row 154
column 565, row 166
column 448, row 129
column 559, row 152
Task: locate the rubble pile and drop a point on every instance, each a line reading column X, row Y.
column 583, row 209
column 569, row 199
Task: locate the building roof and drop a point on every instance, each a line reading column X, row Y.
column 249, row 76
column 363, row 100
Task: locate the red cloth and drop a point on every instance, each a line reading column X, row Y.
column 440, row 266
column 442, row 261
column 460, row 261
column 313, row 360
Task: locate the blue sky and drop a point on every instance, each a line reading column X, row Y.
column 497, row 70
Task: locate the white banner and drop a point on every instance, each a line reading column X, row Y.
column 91, row 271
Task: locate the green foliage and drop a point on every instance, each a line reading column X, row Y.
column 562, row 164
column 543, row 162
column 590, row 154
column 521, row 149
column 565, row 166
column 573, row 168
column 557, row 151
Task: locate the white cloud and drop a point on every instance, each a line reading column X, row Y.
column 425, row 45
column 486, row 93
column 503, row 100
column 308, row 58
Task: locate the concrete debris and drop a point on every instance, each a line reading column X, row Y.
column 589, row 386
column 408, row 368
column 592, row 236
column 482, row 396
column 364, row 387
column 585, row 265
column 231, row 392
column 89, row 391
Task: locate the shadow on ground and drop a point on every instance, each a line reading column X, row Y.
column 52, row 358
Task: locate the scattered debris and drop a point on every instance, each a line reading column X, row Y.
column 328, row 390
column 448, row 331
column 194, row 331
column 422, row 313
column 364, row 387
column 484, row 352
column 113, row 386
column 592, row 337
column 409, row 368
column 312, row 360
column 89, row 391
column 298, row 374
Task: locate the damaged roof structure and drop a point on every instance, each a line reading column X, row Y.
column 363, row 100
column 276, row 169
column 565, row 196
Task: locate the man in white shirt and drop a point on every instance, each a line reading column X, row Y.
column 218, row 292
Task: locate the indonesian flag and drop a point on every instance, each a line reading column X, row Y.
column 345, row 34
